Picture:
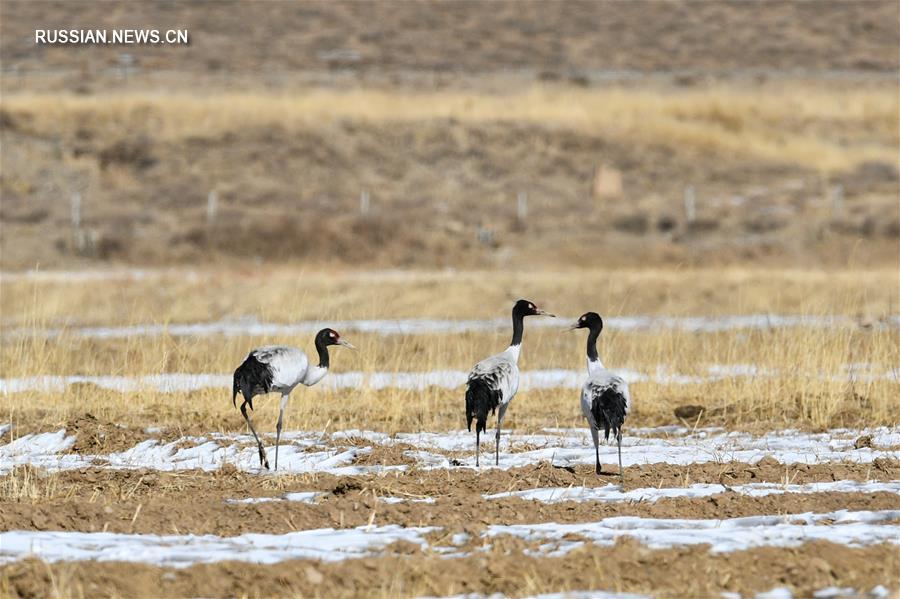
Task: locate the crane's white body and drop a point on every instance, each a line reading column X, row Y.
column 289, row 367
column 501, row 372
column 599, row 380
column 282, row 368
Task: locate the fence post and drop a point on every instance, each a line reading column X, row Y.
column 522, row 207
column 212, row 206
column 364, row 204
column 837, row 200
column 690, row 204
column 76, row 211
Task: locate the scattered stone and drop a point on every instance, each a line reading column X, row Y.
column 885, row 465
column 768, row 462
column 688, row 412
column 863, row 441
column 817, row 563
column 314, row 576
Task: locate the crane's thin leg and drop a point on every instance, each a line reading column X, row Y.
column 263, row 461
column 499, row 423
column 595, row 435
column 477, row 446
column 284, row 402
column 619, row 442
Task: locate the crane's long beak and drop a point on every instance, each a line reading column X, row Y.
column 346, row 344
column 544, row 313
column 573, row 327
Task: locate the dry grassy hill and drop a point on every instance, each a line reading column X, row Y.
column 781, row 124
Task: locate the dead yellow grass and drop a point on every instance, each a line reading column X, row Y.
column 805, row 383
column 286, row 294
column 813, row 125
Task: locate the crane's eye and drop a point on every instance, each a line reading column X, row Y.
column 332, row 334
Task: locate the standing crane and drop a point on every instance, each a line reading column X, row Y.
column 605, row 399
column 280, row 368
column 494, row 381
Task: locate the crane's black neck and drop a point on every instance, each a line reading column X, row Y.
column 322, row 348
column 592, row 354
column 518, row 319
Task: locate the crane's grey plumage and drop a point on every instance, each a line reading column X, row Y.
column 494, row 381
column 280, row 368
column 605, row 399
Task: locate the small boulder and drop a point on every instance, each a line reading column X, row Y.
column 688, row 412
column 863, row 441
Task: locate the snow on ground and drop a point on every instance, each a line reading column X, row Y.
column 326, row 544
column 842, row 527
column 735, row 534
column 613, row 493
column 562, row 595
column 299, row 496
column 419, row 326
column 878, row 592
column 302, row 452
column 557, row 378
column 574, row 448
column 44, row 450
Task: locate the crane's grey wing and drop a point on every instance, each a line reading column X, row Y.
column 500, row 374
column 609, row 399
column 288, row 365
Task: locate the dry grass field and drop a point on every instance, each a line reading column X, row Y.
column 812, row 391
column 782, row 173
column 776, row 379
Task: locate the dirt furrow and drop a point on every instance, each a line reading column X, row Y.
column 626, row 566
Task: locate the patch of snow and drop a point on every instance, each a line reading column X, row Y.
column 83, row 276
column 210, row 455
column 188, row 453
column 575, row 448
column 392, row 500
column 180, row 551
column 613, row 493
column 301, row 496
column 445, row 379
column 304, row 451
column 419, row 326
column 588, row 595
column 735, row 534
column 40, row 450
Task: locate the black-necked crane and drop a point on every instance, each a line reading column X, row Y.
column 605, row 399
column 280, row 368
column 494, row 381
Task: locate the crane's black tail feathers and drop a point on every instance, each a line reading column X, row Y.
column 480, row 400
column 251, row 378
column 608, row 410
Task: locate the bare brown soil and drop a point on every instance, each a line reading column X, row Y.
column 443, row 192
column 196, row 502
column 152, row 211
column 573, row 39
column 455, row 512
column 627, row 566
column 229, row 482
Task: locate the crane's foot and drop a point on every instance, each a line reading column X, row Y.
column 599, row 470
column 263, row 460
